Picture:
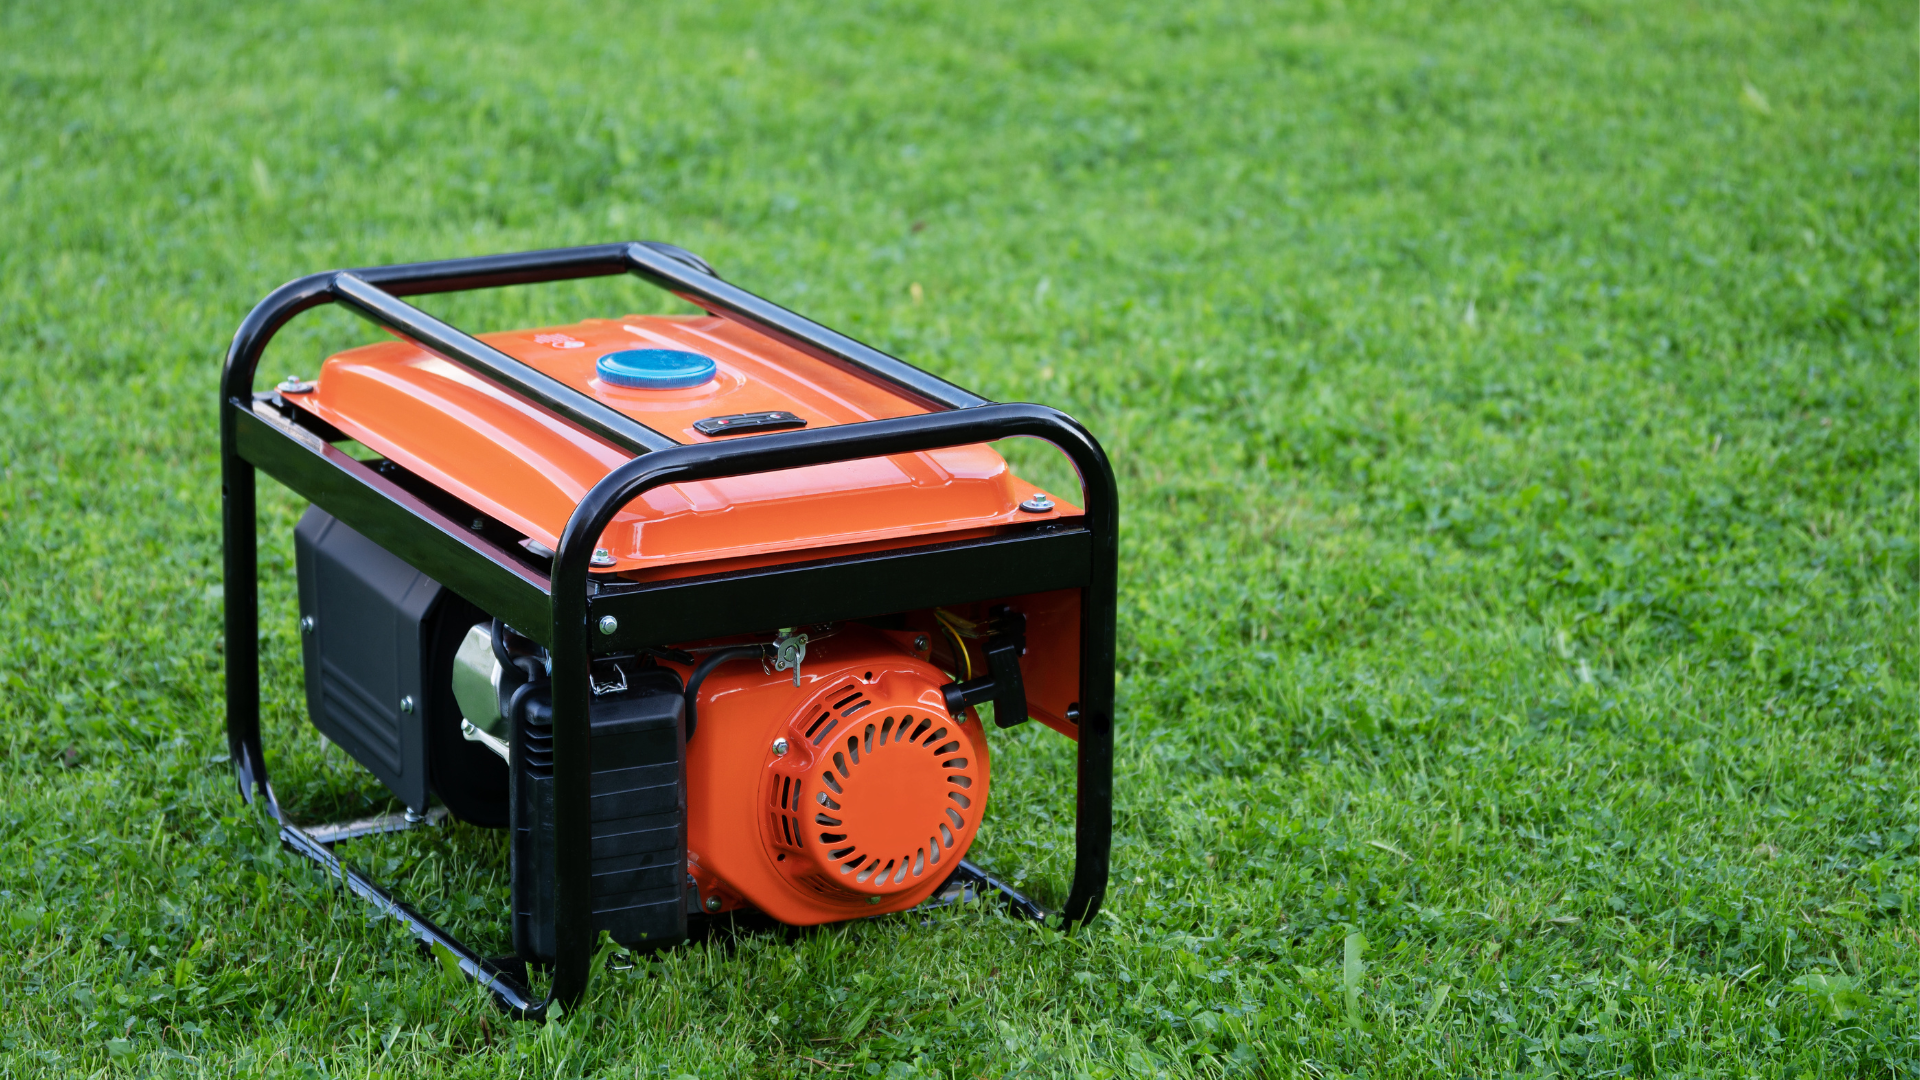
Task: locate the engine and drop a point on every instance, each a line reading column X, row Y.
column 835, row 785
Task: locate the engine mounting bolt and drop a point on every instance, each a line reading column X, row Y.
column 713, row 903
column 406, row 704
column 780, row 747
column 306, row 624
column 920, row 643
column 608, row 624
column 1038, row 504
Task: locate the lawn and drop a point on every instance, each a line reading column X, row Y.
column 1517, row 416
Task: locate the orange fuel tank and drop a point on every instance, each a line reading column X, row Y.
column 524, row 467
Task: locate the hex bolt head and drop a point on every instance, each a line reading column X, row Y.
column 406, row 704
column 1038, row 504
column 608, row 624
column 306, row 624
column 601, row 557
column 780, row 747
column 713, row 903
column 921, row 644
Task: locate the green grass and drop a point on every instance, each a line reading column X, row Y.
column 1516, row 410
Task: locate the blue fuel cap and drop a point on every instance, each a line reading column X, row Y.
column 655, row 369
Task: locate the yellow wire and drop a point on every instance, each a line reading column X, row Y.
column 959, row 649
column 959, row 625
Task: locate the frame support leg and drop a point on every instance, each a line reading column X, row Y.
column 241, row 601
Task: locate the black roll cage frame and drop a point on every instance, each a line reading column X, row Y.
column 565, row 607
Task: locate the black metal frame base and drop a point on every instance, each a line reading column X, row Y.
column 560, row 605
column 509, row 991
column 505, row 977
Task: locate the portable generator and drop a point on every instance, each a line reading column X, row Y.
column 701, row 609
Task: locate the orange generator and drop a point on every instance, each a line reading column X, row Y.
column 701, row 609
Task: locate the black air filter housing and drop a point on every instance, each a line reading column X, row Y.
column 378, row 639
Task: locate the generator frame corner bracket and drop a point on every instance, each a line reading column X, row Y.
column 576, row 613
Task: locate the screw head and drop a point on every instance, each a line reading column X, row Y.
column 406, row 704
column 294, row 384
column 1037, row 504
column 601, row 557
column 306, row 624
column 608, row 624
column 780, row 747
column 713, row 903
column 921, row 644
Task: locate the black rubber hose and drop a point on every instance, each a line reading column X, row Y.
column 529, row 665
column 705, row 668
column 500, row 652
